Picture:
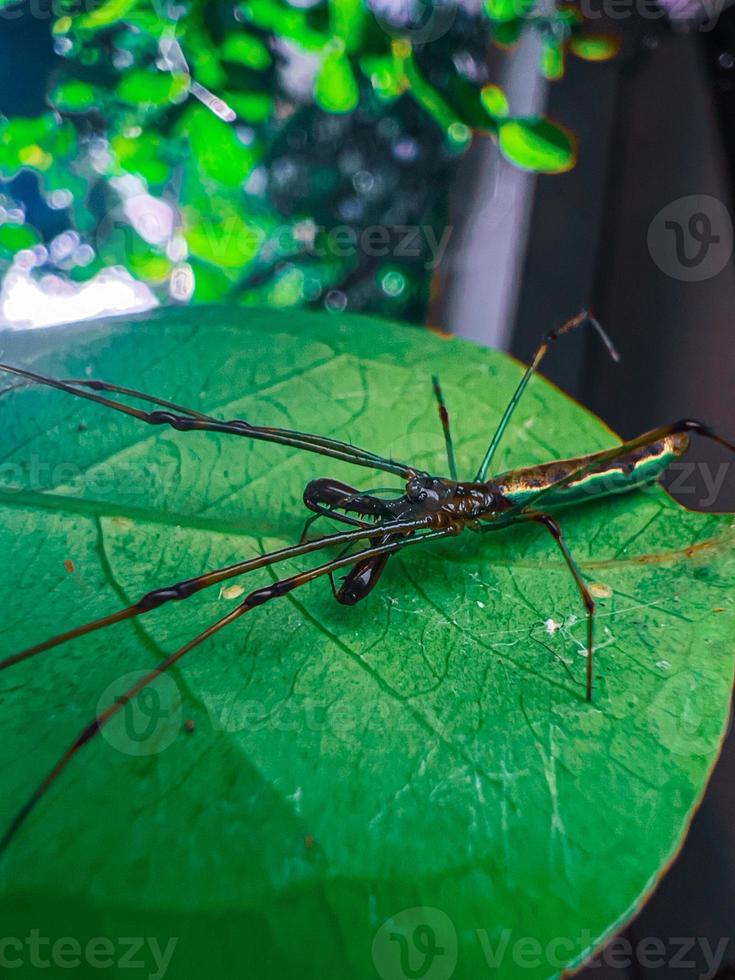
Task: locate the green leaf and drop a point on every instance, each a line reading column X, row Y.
column 23, row 143
column 211, row 283
column 142, row 155
column 147, row 264
column 141, row 87
column 62, row 140
column 537, row 144
column 218, row 152
column 74, row 96
column 552, row 60
column 347, row 20
column 14, row 238
column 429, row 749
column 246, row 49
column 505, row 11
column 465, row 98
column 253, row 107
column 507, row 33
column 225, row 239
column 204, row 58
column 335, row 87
column 385, row 74
column 457, row 133
column 283, row 21
column 495, row 101
column 599, row 47
column 106, row 14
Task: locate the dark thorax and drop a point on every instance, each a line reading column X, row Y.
column 445, row 503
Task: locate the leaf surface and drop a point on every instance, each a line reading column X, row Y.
column 364, row 788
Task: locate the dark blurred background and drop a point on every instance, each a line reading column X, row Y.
column 656, row 129
column 660, row 127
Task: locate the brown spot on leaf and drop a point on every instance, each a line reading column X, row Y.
column 122, row 522
column 232, row 592
column 600, row 591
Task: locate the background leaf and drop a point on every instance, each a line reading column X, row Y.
column 537, row 144
column 495, row 101
column 74, row 96
column 335, row 87
column 428, row 749
column 595, row 47
column 552, row 60
column 14, row 237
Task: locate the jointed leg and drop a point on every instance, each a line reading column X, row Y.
column 576, row 321
column 94, row 385
column 547, row 521
column 256, row 598
column 188, row 587
column 307, row 524
column 444, row 419
column 521, row 512
column 320, row 511
column 186, row 420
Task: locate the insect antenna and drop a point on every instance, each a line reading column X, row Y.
column 185, row 420
column 584, row 317
column 444, row 419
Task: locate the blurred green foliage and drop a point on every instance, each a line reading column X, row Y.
column 219, row 151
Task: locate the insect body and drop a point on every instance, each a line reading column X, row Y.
column 427, row 508
column 602, row 476
column 450, row 505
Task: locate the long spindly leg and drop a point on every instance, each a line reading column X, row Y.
column 188, row 587
column 94, row 385
column 307, row 525
column 444, row 419
column 600, row 460
column 256, row 598
column 321, row 511
column 187, row 420
column 547, row 521
column 577, row 321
